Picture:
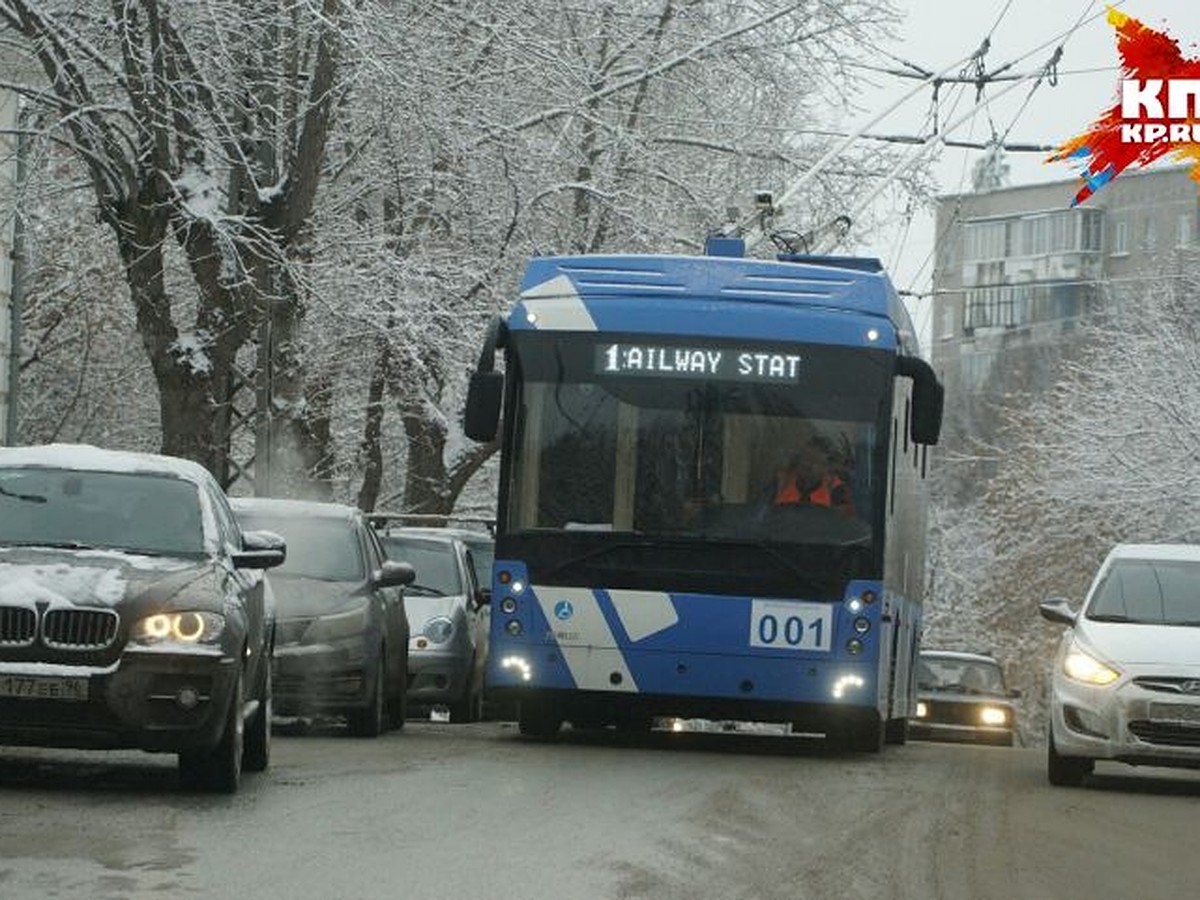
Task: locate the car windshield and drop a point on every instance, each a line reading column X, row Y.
column 483, row 554
column 143, row 512
column 939, row 673
column 321, row 547
column 433, row 562
column 1149, row 592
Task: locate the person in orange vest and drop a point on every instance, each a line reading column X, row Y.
column 809, row 478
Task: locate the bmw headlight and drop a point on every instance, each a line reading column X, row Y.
column 438, row 630
column 190, row 627
column 338, row 626
column 1084, row 667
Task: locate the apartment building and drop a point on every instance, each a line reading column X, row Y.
column 1019, row 268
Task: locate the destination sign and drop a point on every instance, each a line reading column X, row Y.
column 684, row 361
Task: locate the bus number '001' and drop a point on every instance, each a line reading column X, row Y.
column 791, row 626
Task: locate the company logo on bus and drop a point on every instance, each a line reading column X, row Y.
column 563, row 610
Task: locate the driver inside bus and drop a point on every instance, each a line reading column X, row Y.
column 811, row 478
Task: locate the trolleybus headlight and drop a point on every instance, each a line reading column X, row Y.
column 855, row 605
column 861, row 625
column 519, row 664
column 508, row 605
column 513, row 627
column 846, row 684
column 854, row 646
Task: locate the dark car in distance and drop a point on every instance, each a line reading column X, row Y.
column 962, row 697
column 342, row 637
column 131, row 614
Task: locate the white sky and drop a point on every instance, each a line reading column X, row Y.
column 938, row 33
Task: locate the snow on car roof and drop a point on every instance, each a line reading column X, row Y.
column 463, row 534
column 88, row 458
column 1156, row 551
column 287, row 506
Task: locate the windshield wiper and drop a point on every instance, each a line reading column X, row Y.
column 424, row 589
column 1110, row 617
column 28, row 498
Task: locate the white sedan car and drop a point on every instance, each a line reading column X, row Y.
column 1126, row 679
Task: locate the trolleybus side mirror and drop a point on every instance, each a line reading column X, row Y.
column 929, row 398
column 482, row 414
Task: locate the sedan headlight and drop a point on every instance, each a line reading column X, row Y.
column 993, row 715
column 338, row 626
column 1084, row 667
column 190, row 627
column 438, row 630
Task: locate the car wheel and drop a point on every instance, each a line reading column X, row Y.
column 369, row 721
column 219, row 769
column 897, row 731
column 469, row 708
column 398, row 707
column 539, row 720
column 256, row 755
column 1066, row 771
column 864, row 734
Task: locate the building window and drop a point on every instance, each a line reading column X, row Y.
column 1120, row 242
column 1150, row 235
column 1183, row 230
column 1001, row 306
column 1092, row 224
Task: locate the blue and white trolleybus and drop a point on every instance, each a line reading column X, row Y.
column 653, row 558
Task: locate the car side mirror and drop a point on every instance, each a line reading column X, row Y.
column 394, row 574
column 260, row 550
column 483, row 596
column 1057, row 610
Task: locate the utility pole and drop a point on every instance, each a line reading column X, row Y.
column 12, row 177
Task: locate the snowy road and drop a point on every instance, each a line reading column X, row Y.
column 444, row 811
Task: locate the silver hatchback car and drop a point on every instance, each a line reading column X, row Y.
column 1126, row 679
column 448, row 615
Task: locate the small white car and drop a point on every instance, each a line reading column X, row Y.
column 1126, row 679
column 447, row 613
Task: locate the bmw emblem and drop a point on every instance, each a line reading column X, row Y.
column 563, row 610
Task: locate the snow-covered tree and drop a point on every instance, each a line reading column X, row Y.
column 365, row 180
column 1110, row 453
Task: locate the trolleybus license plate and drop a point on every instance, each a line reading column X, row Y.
column 780, row 625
